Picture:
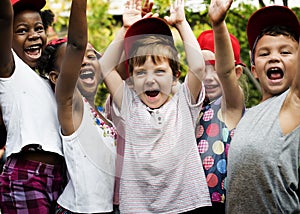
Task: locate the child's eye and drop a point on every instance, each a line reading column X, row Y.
column 139, row 73
column 39, row 28
column 92, row 56
column 263, row 54
column 285, row 52
column 21, row 31
column 159, row 71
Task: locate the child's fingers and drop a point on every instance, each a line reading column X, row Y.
column 155, row 15
column 147, row 15
column 146, row 3
column 127, row 4
column 138, row 4
column 133, row 4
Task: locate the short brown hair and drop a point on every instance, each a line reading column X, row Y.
column 158, row 47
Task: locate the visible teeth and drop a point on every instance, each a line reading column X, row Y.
column 274, row 69
column 33, row 47
column 86, row 72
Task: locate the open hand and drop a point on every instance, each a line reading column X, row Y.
column 177, row 14
column 147, row 7
column 132, row 12
column 217, row 10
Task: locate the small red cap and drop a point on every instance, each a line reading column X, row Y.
column 35, row 4
column 270, row 16
column 144, row 27
column 206, row 42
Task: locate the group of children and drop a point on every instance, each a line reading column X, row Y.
column 190, row 150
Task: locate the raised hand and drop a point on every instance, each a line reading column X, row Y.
column 177, row 14
column 147, row 7
column 217, row 10
column 132, row 12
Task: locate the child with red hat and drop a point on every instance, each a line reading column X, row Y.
column 225, row 102
column 162, row 171
column 32, row 177
column 21, row 49
column 264, row 155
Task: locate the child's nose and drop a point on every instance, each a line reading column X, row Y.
column 208, row 74
column 85, row 61
column 274, row 57
column 150, row 79
column 34, row 35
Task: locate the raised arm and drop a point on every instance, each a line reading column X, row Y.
column 225, row 63
column 290, row 115
column 194, row 56
column 6, row 34
column 112, row 55
column 71, row 64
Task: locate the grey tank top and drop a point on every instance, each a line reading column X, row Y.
column 263, row 163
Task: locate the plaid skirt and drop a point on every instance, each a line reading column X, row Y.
column 29, row 186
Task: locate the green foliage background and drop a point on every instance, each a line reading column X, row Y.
column 103, row 26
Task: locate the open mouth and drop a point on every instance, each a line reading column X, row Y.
column 152, row 93
column 211, row 86
column 34, row 51
column 275, row 74
column 87, row 76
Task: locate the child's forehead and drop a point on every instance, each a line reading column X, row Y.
column 26, row 16
column 275, row 41
column 155, row 59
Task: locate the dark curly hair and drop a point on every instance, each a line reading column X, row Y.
column 156, row 46
column 47, row 18
column 47, row 61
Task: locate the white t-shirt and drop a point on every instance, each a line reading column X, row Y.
column 29, row 110
column 162, row 170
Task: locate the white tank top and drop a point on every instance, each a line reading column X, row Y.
column 29, row 110
column 90, row 154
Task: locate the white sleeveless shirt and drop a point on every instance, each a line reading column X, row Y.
column 90, row 154
column 29, row 110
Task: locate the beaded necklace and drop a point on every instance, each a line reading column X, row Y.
column 107, row 130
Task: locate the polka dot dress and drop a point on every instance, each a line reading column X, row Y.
column 213, row 139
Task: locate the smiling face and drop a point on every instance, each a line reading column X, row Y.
column 29, row 36
column 275, row 63
column 153, row 82
column 213, row 89
column 90, row 75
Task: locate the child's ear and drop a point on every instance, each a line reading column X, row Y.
column 253, row 70
column 53, row 75
column 177, row 76
column 238, row 71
